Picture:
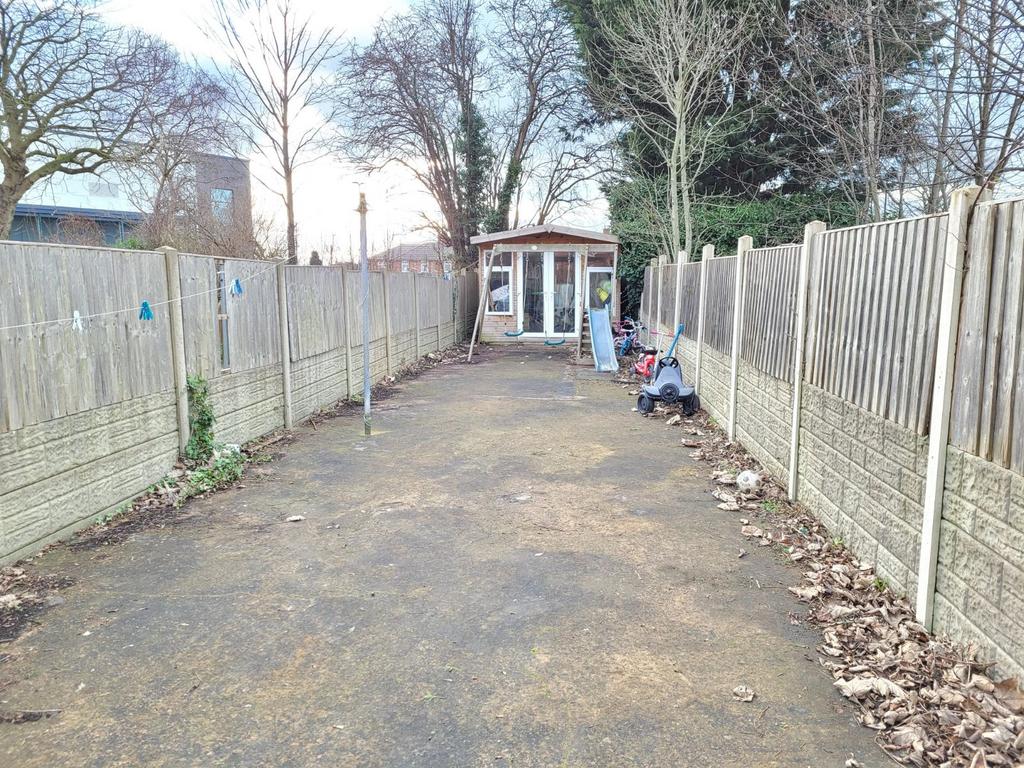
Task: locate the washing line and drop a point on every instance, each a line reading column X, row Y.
column 76, row 319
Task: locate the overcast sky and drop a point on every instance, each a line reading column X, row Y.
column 327, row 191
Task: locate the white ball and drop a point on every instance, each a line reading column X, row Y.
column 748, row 481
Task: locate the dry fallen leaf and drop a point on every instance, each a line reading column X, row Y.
column 861, row 686
column 1010, row 695
column 933, row 703
column 743, row 693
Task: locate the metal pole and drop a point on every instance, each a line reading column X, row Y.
column 364, row 269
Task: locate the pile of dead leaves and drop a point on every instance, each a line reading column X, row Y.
column 932, row 702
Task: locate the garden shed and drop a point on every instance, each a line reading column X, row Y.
column 542, row 279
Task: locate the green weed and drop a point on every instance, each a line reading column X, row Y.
column 200, row 416
column 224, row 470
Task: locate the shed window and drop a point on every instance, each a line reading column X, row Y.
column 499, row 289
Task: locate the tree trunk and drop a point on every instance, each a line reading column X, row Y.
column 936, row 196
column 287, row 170
column 7, row 203
column 10, row 193
column 289, row 204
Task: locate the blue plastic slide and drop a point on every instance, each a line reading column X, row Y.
column 601, row 340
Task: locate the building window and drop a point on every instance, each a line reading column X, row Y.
column 447, row 267
column 222, row 203
column 405, row 265
column 423, row 268
column 499, row 289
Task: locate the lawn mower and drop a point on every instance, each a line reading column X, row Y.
column 668, row 386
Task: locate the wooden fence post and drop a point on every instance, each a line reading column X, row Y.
column 745, row 244
column 707, row 254
column 286, row 355
column 800, row 335
column 957, row 233
column 387, row 319
column 416, row 311
column 173, row 269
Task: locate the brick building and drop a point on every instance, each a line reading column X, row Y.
column 429, row 257
column 101, row 202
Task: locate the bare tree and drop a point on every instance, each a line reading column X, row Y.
column 75, row 94
column 541, row 93
column 982, row 140
column 562, row 174
column 967, row 97
column 856, row 79
column 679, row 53
column 162, row 180
column 405, row 98
column 278, row 81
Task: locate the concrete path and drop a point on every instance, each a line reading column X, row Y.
column 515, row 571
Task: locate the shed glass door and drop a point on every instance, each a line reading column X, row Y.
column 563, row 293
column 533, row 292
column 550, row 293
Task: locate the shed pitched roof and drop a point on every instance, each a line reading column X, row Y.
column 543, row 230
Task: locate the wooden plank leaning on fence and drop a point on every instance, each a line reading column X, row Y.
column 483, row 302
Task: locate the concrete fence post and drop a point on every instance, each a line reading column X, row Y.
column 657, row 300
column 387, row 320
column 173, row 268
column 745, row 244
column 810, row 246
column 957, row 233
column 707, row 254
column 416, row 311
column 437, row 287
column 286, row 354
column 651, row 300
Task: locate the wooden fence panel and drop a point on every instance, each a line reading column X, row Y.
column 354, row 306
column 253, row 330
column 667, row 305
column 873, row 314
column 689, row 299
column 48, row 369
column 199, row 297
column 769, row 311
column 401, row 300
column 721, row 298
column 646, row 296
column 378, row 318
column 427, row 288
column 987, row 417
column 315, row 310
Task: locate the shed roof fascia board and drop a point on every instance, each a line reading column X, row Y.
column 552, row 229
